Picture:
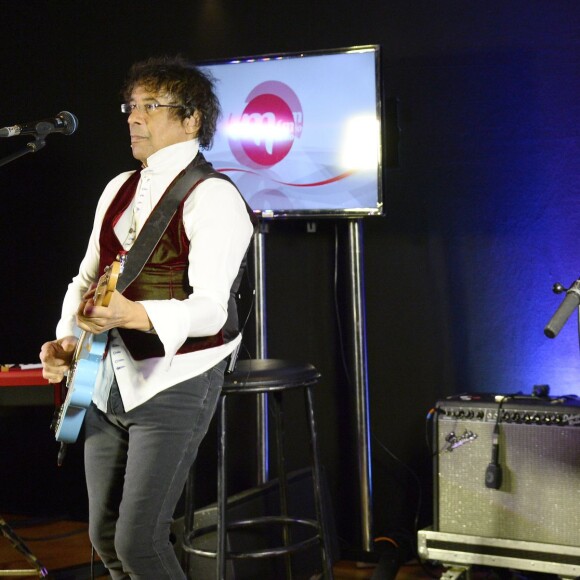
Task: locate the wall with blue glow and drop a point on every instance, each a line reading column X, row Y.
column 489, row 147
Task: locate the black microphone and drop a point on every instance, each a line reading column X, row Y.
column 569, row 304
column 493, row 475
column 65, row 123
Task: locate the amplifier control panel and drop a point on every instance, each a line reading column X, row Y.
column 516, row 409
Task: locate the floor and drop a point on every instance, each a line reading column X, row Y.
column 63, row 549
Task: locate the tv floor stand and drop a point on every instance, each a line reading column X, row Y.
column 358, row 315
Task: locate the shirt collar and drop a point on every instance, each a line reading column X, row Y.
column 176, row 156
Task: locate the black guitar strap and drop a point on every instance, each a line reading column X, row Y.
column 157, row 223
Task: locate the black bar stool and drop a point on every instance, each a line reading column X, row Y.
column 273, row 377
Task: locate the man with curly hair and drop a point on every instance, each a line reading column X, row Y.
column 170, row 332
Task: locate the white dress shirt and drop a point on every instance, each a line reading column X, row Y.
column 219, row 229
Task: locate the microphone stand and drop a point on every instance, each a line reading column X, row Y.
column 570, row 303
column 31, row 147
column 39, row 570
column 5, row 529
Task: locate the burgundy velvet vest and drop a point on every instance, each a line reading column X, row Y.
column 163, row 277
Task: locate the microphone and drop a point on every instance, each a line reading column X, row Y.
column 569, row 304
column 493, row 475
column 65, row 123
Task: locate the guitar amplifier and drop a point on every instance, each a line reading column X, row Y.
column 531, row 490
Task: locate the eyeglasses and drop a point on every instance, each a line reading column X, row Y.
column 146, row 108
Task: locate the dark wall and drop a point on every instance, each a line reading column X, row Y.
column 481, row 211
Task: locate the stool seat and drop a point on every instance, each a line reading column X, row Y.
column 263, row 375
column 269, row 378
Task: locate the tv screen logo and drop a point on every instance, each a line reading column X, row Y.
column 264, row 133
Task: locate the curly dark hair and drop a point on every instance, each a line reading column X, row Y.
column 185, row 83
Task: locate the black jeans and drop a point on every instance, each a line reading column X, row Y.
column 136, row 465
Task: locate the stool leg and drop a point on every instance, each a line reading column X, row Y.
column 282, row 479
column 317, row 479
column 221, row 492
column 188, row 519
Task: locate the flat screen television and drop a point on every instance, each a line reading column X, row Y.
column 301, row 133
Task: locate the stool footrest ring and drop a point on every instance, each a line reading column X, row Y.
column 252, row 523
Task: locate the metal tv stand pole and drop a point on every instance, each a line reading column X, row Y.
column 356, row 271
column 356, row 276
column 261, row 349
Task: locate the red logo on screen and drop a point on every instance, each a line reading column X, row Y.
column 266, row 130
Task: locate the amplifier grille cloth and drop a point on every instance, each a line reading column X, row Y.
column 539, row 499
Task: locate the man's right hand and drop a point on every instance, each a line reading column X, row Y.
column 56, row 357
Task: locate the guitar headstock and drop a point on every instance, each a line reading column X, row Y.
column 107, row 284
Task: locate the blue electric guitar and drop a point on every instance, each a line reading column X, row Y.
column 80, row 381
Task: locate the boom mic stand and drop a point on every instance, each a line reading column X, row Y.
column 568, row 305
column 65, row 123
column 39, row 570
column 6, row 530
column 31, row 147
